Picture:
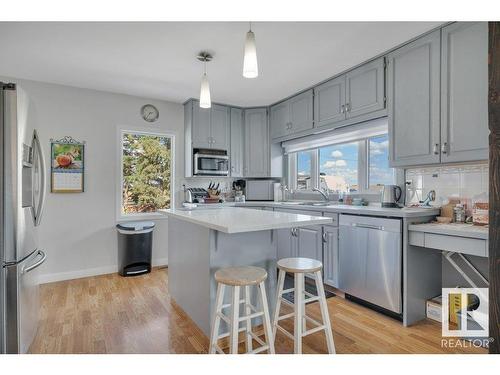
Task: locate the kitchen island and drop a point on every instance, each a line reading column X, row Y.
column 202, row 240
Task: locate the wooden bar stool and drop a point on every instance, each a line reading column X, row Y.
column 300, row 267
column 237, row 277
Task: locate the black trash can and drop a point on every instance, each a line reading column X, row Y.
column 135, row 242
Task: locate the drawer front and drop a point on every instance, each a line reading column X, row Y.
column 416, row 238
column 471, row 246
column 335, row 218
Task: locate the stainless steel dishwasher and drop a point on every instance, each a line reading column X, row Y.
column 370, row 260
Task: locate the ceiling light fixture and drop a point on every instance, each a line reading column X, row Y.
column 250, row 67
column 205, row 101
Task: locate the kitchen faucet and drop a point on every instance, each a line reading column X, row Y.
column 323, row 194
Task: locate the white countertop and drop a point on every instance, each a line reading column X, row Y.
column 453, row 229
column 238, row 220
column 371, row 210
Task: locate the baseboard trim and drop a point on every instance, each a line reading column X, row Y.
column 78, row 274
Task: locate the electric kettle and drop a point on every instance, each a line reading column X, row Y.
column 391, row 195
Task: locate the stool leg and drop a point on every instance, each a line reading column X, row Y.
column 324, row 313
column 216, row 319
column 298, row 310
column 281, row 283
column 235, row 315
column 248, row 311
column 267, row 320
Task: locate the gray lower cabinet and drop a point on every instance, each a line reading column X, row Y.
column 257, row 161
column 365, row 89
column 292, row 116
column 310, row 242
column 331, row 255
column 414, row 102
column 306, row 242
column 464, row 92
column 287, row 245
column 237, row 143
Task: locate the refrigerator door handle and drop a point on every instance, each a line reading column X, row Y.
column 37, row 263
column 41, row 164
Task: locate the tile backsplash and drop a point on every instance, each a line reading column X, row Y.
column 458, row 181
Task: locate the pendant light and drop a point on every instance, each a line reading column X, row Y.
column 205, row 101
column 250, row 67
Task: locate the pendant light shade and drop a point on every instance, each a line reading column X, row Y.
column 250, row 67
column 205, row 101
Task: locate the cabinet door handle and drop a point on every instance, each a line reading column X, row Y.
column 342, row 108
column 325, row 239
column 436, row 149
column 444, row 148
column 348, row 107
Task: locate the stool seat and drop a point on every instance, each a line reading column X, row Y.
column 299, row 265
column 241, row 276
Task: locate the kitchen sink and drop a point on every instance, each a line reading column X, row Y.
column 309, row 203
column 316, row 203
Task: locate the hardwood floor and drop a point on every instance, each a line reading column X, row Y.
column 113, row 314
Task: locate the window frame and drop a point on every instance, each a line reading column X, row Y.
column 119, row 183
column 363, row 166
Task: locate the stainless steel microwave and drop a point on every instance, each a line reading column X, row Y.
column 211, row 163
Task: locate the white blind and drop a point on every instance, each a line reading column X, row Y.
column 345, row 134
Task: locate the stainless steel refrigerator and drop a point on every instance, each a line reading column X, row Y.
column 22, row 194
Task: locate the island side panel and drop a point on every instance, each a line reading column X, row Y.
column 189, row 269
column 421, row 275
column 257, row 249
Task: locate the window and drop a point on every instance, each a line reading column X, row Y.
column 379, row 171
column 146, row 172
column 339, row 167
column 304, row 169
column 361, row 165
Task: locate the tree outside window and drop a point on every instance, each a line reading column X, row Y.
column 147, row 172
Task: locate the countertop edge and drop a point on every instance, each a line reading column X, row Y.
column 224, row 229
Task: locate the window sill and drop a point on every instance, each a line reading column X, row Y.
column 142, row 217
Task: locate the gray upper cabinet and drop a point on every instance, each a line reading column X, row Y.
column 365, row 89
column 237, row 145
column 360, row 93
column 292, row 116
column 301, row 112
column 219, row 127
column 464, row 92
column 279, row 120
column 210, row 126
column 200, row 127
column 414, row 102
column 329, row 102
column 257, row 162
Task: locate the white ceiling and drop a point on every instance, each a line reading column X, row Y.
column 157, row 60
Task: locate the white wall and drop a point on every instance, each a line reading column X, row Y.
column 78, row 230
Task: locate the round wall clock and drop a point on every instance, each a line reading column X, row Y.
column 149, row 113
